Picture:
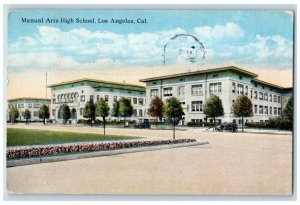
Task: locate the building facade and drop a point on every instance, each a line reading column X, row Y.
column 77, row 93
column 194, row 88
column 32, row 104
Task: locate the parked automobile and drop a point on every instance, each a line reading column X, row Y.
column 232, row 127
column 142, row 125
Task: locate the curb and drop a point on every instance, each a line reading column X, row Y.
column 37, row 160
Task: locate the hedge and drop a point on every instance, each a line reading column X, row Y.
column 28, row 152
column 275, row 123
column 201, row 124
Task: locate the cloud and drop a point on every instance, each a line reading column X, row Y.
column 220, row 32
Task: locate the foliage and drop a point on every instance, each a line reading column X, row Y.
column 90, row 111
column 201, row 124
column 213, row 107
column 116, row 109
column 156, row 108
column 126, row 108
column 44, row 113
column 289, row 108
column 27, row 115
column 102, row 110
column 243, row 108
column 173, row 111
column 64, row 112
column 275, row 123
column 13, row 115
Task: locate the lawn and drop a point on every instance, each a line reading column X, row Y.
column 16, row 137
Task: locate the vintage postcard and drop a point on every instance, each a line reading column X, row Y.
column 150, row 102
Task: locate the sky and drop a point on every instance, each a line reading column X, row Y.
column 169, row 42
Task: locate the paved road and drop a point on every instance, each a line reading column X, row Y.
column 233, row 163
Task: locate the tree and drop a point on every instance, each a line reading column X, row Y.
column 27, row 115
column 289, row 108
column 125, row 109
column 44, row 113
column 243, row 108
column 156, row 108
column 213, row 107
column 64, row 113
column 102, row 110
column 116, row 109
column 173, row 112
column 90, row 111
column 13, row 115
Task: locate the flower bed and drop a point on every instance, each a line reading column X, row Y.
column 27, row 152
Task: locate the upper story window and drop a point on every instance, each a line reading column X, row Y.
column 279, row 99
column 36, row 105
column 91, row 98
column 270, row 110
column 141, row 101
column 241, row 77
column 82, row 98
column 153, row 93
column 233, row 87
column 266, row 96
column 261, row 96
column 29, row 105
column 274, row 99
column 240, row 89
column 261, row 109
column 246, row 90
column 181, row 90
column 270, row 97
column 255, row 109
column 197, row 89
column 197, row 106
column 255, row 94
column 106, row 98
column 266, row 110
column 168, row 91
column 135, row 101
column 53, row 101
column 215, row 87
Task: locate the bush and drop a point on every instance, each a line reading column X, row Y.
column 28, row 152
column 275, row 123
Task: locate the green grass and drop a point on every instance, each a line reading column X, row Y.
column 16, row 137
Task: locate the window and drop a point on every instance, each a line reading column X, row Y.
column 279, row 111
column 266, row 96
column 275, row 110
column 53, row 101
column 270, row 97
column 54, row 112
column 140, row 112
column 106, row 98
column 196, row 106
column 30, row 105
column 255, row 109
column 197, row 89
column 115, row 98
column 270, row 110
column 82, row 98
column 261, row 96
column 181, row 90
column 279, row 100
column 35, row 113
column 255, row 94
column 153, row 93
column 251, row 94
column 233, row 87
column 141, row 101
column 215, row 88
column 246, row 90
column 168, row 92
column 266, row 110
column 36, row 105
column 135, row 101
column 22, row 105
column 81, row 111
column 261, row 109
column 91, row 98
column 241, row 77
column 274, row 99
column 215, row 75
column 240, row 88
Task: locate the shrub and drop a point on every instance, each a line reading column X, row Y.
column 275, row 123
column 201, row 124
column 28, row 152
